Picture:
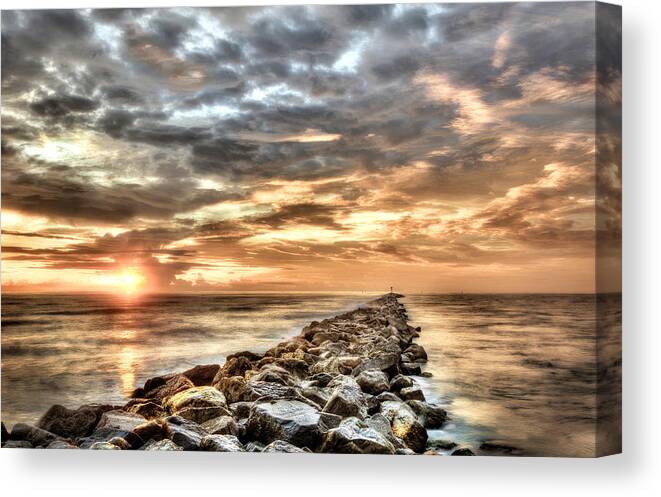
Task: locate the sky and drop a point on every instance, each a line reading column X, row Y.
column 431, row 147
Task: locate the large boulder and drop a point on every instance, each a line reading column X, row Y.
column 160, row 388
column 147, row 409
column 373, row 381
column 290, row 420
column 383, row 362
column 151, row 430
column 429, row 415
column 415, row 353
column 185, row 433
column 160, row 445
column 410, row 368
column 72, row 423
column 346, row 399
column 405, row 425
column 119, row 420
column 198, row 404
column 202, row 374
column 237, row 389
column 221, row 443
column 282, row 446
column 60, row 444
column 354, row 436
column 222, row 425
column 401, row 381
column 412, row 393
column 37, row 437
column 101, row 435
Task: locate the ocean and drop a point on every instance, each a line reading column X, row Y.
column 517, row 371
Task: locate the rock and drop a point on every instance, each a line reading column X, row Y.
column 441, row 445
column 400, row 381
column 384, row 362
column 160, row 445
column 381, row 424
column 103, row 446
column 240, row 410
column 222, row 425
column 251, row 356
column 198, row 404
column 36, row 436
column 412, row 393
column 317, row 395
column 120, row 420
column 237, row 389
column 346, row 399
column 405, row 425
column 274, row 374
column 152, row 430
column 121, row 443
column 410, row 368
column 167, row 388
column 236, row 366
column 322, row 379
column 373, row 381
column 372, row 403
column 60, row 444
column 221, row 443
column 462, row 452
column 258, row 446
column 17, row 444
column 354, row 436
column 429, row 415
column 101, row 435
column 70, row 423
column 426, row 374
column 416, row 352
column 202, row 375
column 289, row 420
column 386, row 396
column 149, row 410
column 282, row 446
column 5, row 433
column 185, row 433
column 495, row 447
column 232, row 387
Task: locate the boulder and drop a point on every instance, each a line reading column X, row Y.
column 101, row 435
column 185, row 433
column 104, row 446
column 120, row 420
column 379, row 423
column 383, row 362
column 147, row 409
column 236, row 366
column 463, row 451
column 5, row 433
column 316, row 394
column 373, row 381
column 151, row 430
column 429, row 415
column 240, row 410
column 385, row 396
column 354, row 436
column 258, row 446
column 289, row 420
column 198, row 404
column 237, row 389
column 400, row 381
column 60, row 444
column 405, row 425
column 36, row 436
column 412, row 393
column 17, row 444
column 160, row 388
column 222, row 425
column 416, row 353
column 121, row 443
column 164, row 444
column 221, row 443
column 72, row 423
column 202, row 375
column 273, row 374
column 410, row 368
column 282, row 446
column 251, row 356
column 321, row 379
column 346, row 398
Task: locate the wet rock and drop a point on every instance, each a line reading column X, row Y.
column 354, row 436
column 289, row 420
column 372, row 403
column 386, row 396
column 381, row 424
column 410, row 368
column 36, row 436
column 405, row 425
column 400, row 381
column 149, row 410
column 236, row 366
column 5, row 433
column 429, row 415
column 60, row 444
column 383, row 362
column 462, row 452
column 237, row 389
column 346, row 399
column 221, row 443
column 152, row 430
column 426, row 374
column 198, row 404
column 160, row 445
column 256, row 446
column 441, row 445
column 222, row 425
column 185, row 433
column 121, row 443
column 17, row 444
column 412, row 393
column 100, row 435
column 120, row 420
column 282, row 446
column 329, row 420
column 416, row 353
column 72, row 423
column 251, row 356
column 321, row 379
column 317, row 395
column 240, row 410
column 273, row 374
column 160, row 388
column 202, row 375
column 373, row 381
column 104, row 446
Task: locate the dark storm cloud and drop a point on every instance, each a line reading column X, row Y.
column 62, row 105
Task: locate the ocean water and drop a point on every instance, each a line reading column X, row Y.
column 519, row 371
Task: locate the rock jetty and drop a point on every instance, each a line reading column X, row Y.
column 344, row 385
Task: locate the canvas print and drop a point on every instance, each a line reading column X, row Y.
column 360, row 229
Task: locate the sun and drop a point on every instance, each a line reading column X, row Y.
column 128, row 281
